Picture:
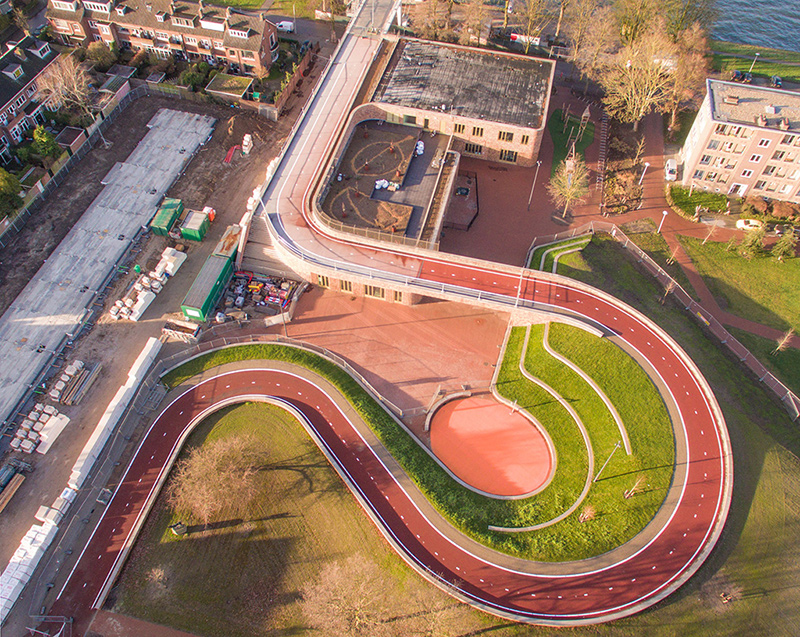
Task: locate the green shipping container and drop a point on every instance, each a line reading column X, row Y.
column 195, row 226
column 165, row 218
column 207, row 288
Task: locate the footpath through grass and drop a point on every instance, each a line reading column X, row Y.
column 725, row 60
column 658, row 250
column 758, row 559
column 473, row 513
column 761, row 289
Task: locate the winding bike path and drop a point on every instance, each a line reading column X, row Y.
column 505, row 586
column 621, row 583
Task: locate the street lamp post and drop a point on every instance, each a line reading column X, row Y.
column 533, row 185
column 661, row 223
column 616, row 446
column 646, row 166
column 754, row 62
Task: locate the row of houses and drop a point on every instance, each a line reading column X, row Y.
column 182, row 29
column 744, row 141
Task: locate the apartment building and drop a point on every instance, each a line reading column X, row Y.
column 184, row 29
column 494, row 104
column 745, row 141
column 20, row 108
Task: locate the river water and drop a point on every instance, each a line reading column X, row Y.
column 767, row 23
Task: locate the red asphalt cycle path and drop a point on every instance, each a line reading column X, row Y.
column 620, row 589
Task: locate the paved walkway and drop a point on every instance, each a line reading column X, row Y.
column 674, row 226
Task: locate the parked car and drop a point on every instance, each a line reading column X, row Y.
column 748, row 78
column 749, row 224
column 286, row 26
column 776, row 81
column 737, row 76
column 671, row 170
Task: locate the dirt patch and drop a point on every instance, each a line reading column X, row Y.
column 206, row 182
column 376, row 152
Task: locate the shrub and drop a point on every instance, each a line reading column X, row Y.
column 758, row 205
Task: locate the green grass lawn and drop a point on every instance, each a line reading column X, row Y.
column 762, row 289
column 552, row 250
column 560, row 136
column 243, row 577
column 686, row 204
column 642, row 411
column 758, row 557
column 785, row 365
column 726, row 64
column 750, row 50
column 567, row 540
column 658, row 250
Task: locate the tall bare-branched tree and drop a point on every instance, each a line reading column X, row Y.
column 65, row 84
column 687, row 73
column 639, row 79
column 569, row 184
column 590, row 27
column 218, row 478
column 634, row 18
column 348, row 600
column 683, row 14
column 534, row 16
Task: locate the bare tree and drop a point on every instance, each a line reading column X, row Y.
column 65, row 84
column 783, row 342
column 562, row 7
column 439, row 615
column 472, row 27
column 591, row 28
column 682, row 14
column 430, row 27
column 639, row 80
column 688, row 73
column 217, row 478
column 534, row 15
column 21, row 20
column 634, row 18
column 570, row 184
column 348, row 600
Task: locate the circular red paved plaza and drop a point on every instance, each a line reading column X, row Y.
column 490, row 448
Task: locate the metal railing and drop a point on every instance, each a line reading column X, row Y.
column 789, row 399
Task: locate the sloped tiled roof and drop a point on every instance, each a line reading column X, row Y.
column 31, row 66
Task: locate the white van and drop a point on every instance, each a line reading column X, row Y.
column 287, row 26
column 671, row 170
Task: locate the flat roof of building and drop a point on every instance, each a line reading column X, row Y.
column 488, row 85
column 744, row 104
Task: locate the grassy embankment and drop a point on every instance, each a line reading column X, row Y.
column 757, row 560
column 725, row 60
column 554, row 249
column 469, row 511
column 761, row 289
